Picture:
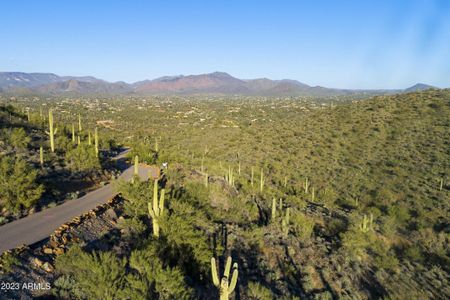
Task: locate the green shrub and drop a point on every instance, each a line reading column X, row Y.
column 100, row 275
column 18, row 186
column 256, row 291
column 302, row 225
column 82, row 158
column 19, row 139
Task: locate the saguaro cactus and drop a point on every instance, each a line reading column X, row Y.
column 79, row 123
column 136, row 165
column 261, row 181
column 225, row 286
column 229, row 176
column 206, row 179
column 156, row 208
column 51, row 130
column 89, row 138
column 274, row 209
column 306, row 185
column 73, row 133
column 285, row 223
column 41, row 156
column 96, row 141
column 366, row 224
column 252, row 177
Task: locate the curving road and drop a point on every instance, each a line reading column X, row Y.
column 39, row 226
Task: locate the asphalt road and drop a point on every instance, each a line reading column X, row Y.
column 39, row 226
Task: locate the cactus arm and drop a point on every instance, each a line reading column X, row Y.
column 233, row 279
column 214, row 273
column 150, row 211
column 161, row 201
column 155, row 197
column 274, row 209
column 227, row 267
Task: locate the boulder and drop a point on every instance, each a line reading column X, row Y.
column 58, row 251
column 38, row 262
column 47, row 267
column 47, row 250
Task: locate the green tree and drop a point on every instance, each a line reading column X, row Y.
column 18, row 187
column 154, row 279
column 19, row 138
column 82, row 158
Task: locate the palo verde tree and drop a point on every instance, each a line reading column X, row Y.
column 18, row 187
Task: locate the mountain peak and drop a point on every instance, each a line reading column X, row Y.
column 419, row 87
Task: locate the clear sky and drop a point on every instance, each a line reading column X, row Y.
column 346, row 44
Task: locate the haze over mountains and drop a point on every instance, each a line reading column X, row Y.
column 212, row 83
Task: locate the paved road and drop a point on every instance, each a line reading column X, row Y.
column 39, row 226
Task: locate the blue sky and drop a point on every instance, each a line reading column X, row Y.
column 346, row 44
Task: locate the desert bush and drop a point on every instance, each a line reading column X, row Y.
column 302, row 225
column 18, row 186
column 82, row 158
column 100, row 275
column 256, row 291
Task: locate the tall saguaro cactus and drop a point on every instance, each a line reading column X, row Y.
column 155, row 208
column 225, row 286
column 136, row 165
column 230, row 177
column 156, row 145
column 96, row 141
column 285, row 223
column 366, row 224
column 51, row 130
column 274, row 209
column 73, row 133
column 79, row 123
column 261, row 182
column 41, row 156
column 252, row 177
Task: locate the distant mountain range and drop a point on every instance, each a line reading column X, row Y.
column 212, row 83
